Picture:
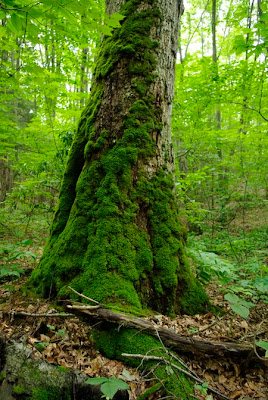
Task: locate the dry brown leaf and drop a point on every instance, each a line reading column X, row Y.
column 44, row 338
column 208, row 377
column 222, row 379
column 236, row 394
column 32, row 340
column 244, row 324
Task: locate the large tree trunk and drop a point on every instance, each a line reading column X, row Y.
column 116, row 236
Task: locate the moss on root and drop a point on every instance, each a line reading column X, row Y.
column 114, row 343
column 51, row 393
column 116, row 236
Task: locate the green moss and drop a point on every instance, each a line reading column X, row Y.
column 51, row 393
column 19, row 390
column 2, row 376
column 131, row 40
column 116, row 236
column 113, row 343
column 129, row 310
column 62, row 369
column 149, row 392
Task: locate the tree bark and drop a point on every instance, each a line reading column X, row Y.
column 116, row 235
column 23, row 376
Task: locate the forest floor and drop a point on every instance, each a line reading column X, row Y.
column 67, row 342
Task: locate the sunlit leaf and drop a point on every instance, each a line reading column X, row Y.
column 240, row 310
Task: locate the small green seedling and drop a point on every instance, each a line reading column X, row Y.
column 238, row 305
column 109, row 386
column 41, row 346
column 203, row 388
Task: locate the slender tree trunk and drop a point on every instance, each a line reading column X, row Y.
column 215, row 62
column 116, row 236
column 83, row 78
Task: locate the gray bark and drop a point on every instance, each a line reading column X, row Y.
column 166, row 34
column 21, row 372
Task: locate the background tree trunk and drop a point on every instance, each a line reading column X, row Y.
column 116, row 236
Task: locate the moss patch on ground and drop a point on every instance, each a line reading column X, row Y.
column 113, row 343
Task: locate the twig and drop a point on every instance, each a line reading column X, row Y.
column 183, row 364
column 252, row 109
column 169, row 355
column 43, row 315
column 265, row 359
column 85, row 307
column 207, row 327
column 252, row 335
column 82, row 295
column 195, row 378
column 254, row 344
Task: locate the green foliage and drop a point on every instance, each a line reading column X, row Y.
column 238, row 305
column 210, row 264
column 9, row 254
column 220, row 121
column 245, row 276
column 109, row 386
column 203, row 388
column 40, row 346
column 263, row 345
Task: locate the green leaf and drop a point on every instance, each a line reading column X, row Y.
column 61, row 333
column 110, row 387
column 25, row 242
column 264, row 17
column 96, row 381
column 113, row 20
column 40, row 346
column 3, row 272
column 247, row 304
column 16, row 23
column 240, row 310
column 67, row 14
column 263, row 345
column 33, row 31
column 232, row 298
column 2, row 14
column 2, row 31
column 106, row 30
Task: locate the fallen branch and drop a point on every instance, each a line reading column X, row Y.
column 169, row 337
column 187, row 373
column 43, row 315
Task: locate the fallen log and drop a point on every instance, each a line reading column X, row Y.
column 169, row 337
column 24, row 376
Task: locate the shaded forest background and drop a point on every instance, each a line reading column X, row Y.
column 220, row 129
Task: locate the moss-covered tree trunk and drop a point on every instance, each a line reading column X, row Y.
column 116, row 236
